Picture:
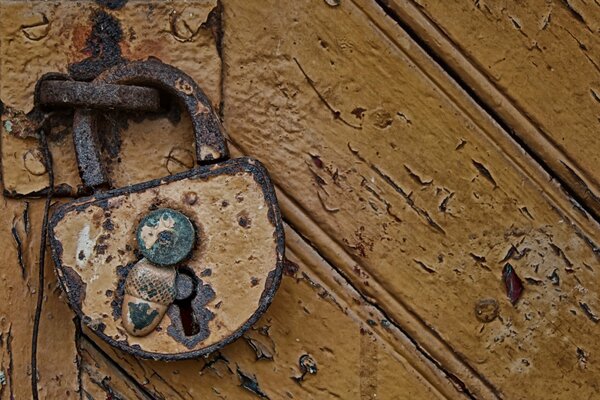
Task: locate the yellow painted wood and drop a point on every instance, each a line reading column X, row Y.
column 420, row 189
column 403, row 201
column 535, row 64
column 57, row 368
column 100, row 378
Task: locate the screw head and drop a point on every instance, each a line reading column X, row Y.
column 165, row 237
column 184, row 286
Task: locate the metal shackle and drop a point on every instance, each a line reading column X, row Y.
column 209, row 140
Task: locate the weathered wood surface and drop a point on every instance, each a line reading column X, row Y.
column 417, row 196
column 57, row 369
column 315, row 314
column 535, row 65
column 403, row 201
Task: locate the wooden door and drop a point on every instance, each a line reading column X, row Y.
column 417, row 148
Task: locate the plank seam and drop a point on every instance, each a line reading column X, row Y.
column 456, row 381
column 558, row 198
column 41, row 267
column 115, row 365
column 305, row 216
column 579, row 194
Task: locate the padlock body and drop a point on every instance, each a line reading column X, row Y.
column 236, row 262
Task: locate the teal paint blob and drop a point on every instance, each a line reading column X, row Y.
column 138, row 314
column 165, row 237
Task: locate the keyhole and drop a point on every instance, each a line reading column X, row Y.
column 186, row 284
column 188, row 320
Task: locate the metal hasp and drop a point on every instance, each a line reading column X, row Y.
column 65, row 93
column 209, row 140
column 177, row 267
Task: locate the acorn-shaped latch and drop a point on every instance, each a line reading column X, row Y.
column 165, row 237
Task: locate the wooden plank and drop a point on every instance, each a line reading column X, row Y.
column 341, row 104
column 402, row 182
column 102, row 379
column 358, row 353
column 50, row 36
column 534, row 64
column 20, row 232
column 40, row 37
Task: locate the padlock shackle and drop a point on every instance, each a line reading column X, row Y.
column 208, row 132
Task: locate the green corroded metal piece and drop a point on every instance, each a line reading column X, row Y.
column 165, row 237
column 139, row 315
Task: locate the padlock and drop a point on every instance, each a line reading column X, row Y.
column 177, row 267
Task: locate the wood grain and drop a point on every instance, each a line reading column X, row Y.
column 358, row 352
column 20, row 232
column 534, row 65
column 403, row 198
column 102, row 379
column 423, row 192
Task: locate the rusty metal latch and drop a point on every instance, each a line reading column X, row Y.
column 175, row 267
column 64, row 93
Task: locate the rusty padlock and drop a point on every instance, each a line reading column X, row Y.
column 204, row 247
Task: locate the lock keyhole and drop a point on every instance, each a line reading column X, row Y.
column 188, row 320
column 186, row 283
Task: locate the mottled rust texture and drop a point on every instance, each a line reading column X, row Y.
column 83, row 39
column 82, row 94
column 209, row 137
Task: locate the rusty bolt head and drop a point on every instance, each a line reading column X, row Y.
column 165, row 237
column 307, row 364
column 486, row 310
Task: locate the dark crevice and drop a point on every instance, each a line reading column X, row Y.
column 456, row 381
column 488, row 108
column 112, row 4
column 41, row 265
column 249, row 382
column 26, row 222
column 19, row 244
column 78, row 360
column 169, row 385
column 115, row 365
column 215, row 22
column 576, row 14
column 407, row 196
column 581, row 183
column 337, row 115
column 188, row 321
column 11, row 362
column 186, row 309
